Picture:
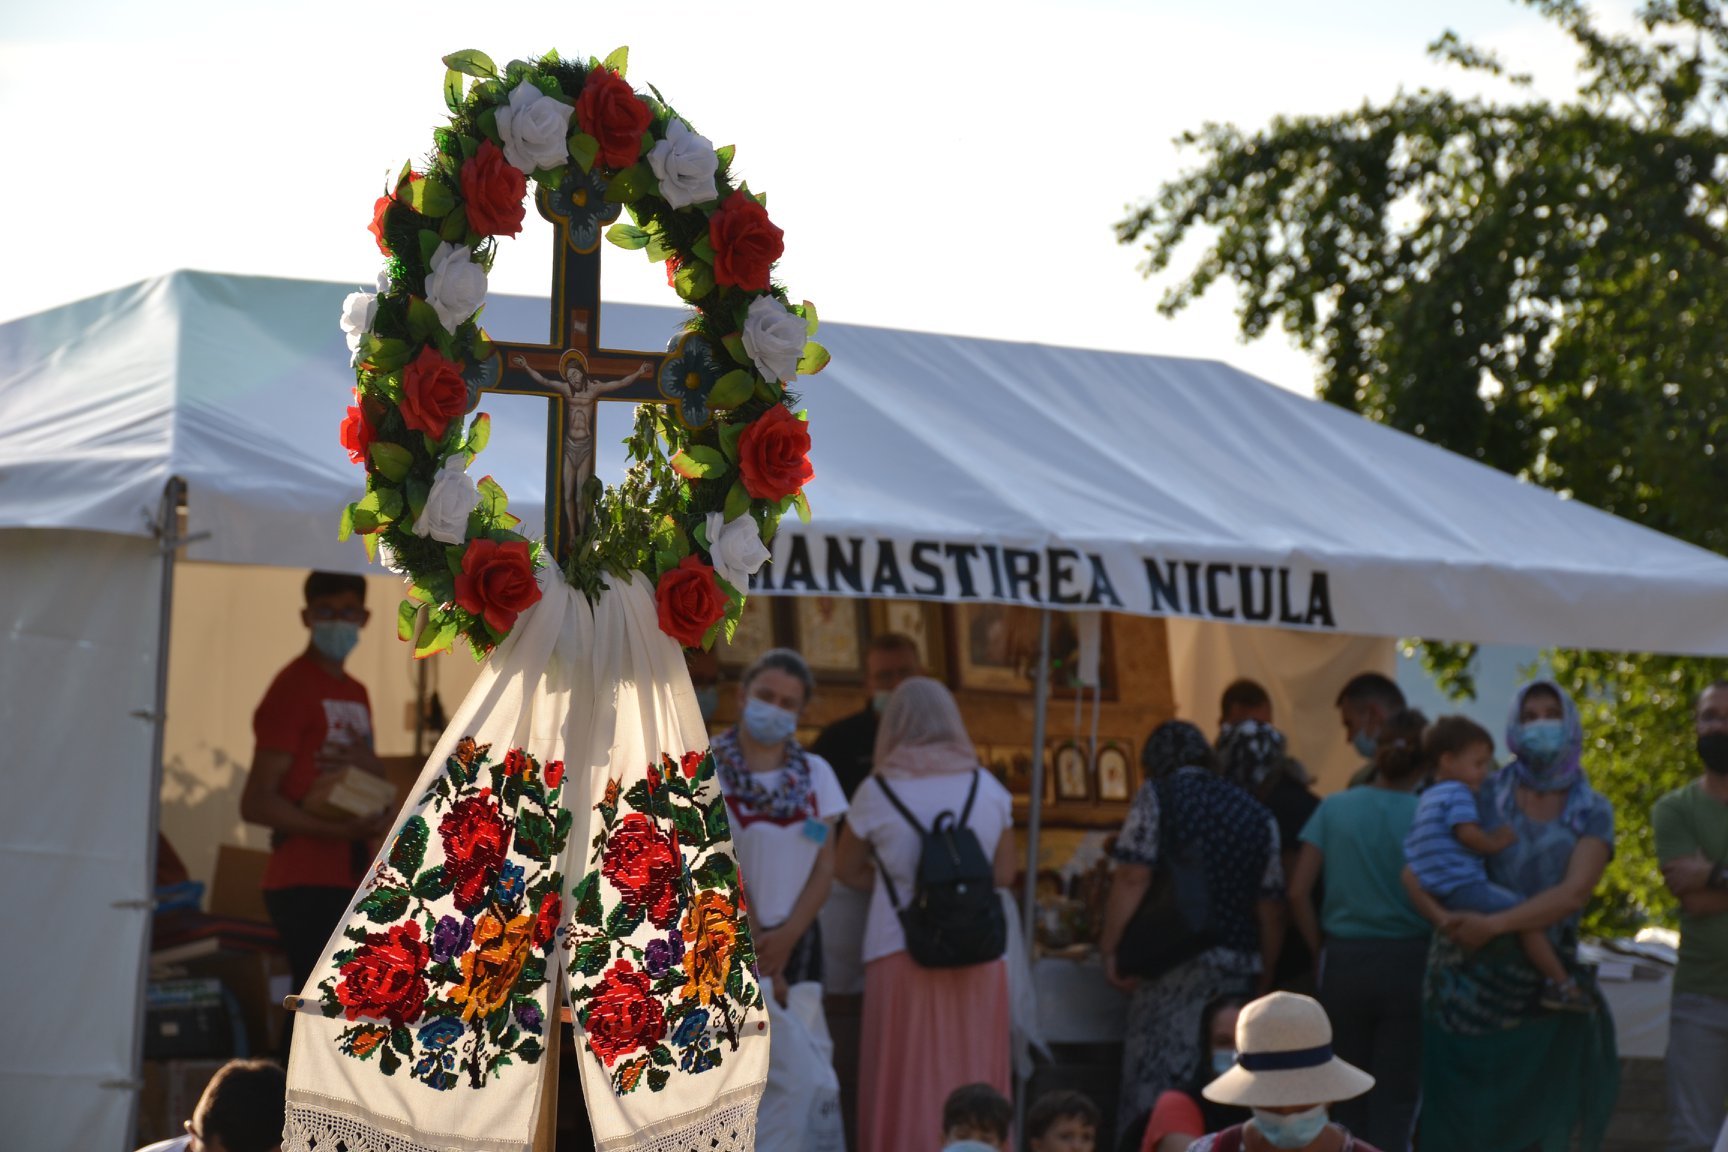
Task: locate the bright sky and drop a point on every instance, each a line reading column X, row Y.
column 940, row 166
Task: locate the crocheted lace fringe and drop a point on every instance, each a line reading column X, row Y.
column 731, row 1129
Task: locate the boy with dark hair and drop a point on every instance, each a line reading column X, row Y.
column 1364, row 705
column 975, row 1118
column 1243, row 700
column 1062, row 1121
column 241, row 1110
column 315, row 719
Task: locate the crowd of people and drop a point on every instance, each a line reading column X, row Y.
column 1431, row 909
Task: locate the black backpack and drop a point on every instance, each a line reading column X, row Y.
column 955, row 918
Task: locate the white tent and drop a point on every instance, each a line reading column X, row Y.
column 947, row 468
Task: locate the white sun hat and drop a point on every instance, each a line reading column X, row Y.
column 1284, row 1058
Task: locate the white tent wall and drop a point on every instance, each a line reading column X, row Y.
column 234, row 629
column 80, row 617
column 1301, row 671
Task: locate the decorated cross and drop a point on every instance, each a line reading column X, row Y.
column 574, row 372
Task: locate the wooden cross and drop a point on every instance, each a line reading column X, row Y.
column 574, row 372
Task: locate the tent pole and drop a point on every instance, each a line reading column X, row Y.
column 168, row 541
column 1035, row 810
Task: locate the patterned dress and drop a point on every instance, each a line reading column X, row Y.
column 1239, row 839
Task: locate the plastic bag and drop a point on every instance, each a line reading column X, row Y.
column 800, row 1109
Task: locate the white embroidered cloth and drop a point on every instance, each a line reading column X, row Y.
column 567, row 830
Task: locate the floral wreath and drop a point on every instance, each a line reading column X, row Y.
column 710, row 476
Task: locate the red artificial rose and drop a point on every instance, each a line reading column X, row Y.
column 642, row 863
column 609, row 111
column 357, row 431
column 386, row 978
column 473, row 834
column 546, row 924
column 433, row 393
column 690, row 601
column 624, row 1016
column 554, row 773
column 746, row 243
column 774, row 455
column 672, row 272
column 692, row 763
column 380, row 209
column 497, row 581
column 494, row 189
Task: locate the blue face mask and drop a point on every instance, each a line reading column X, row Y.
column 1294, row 1131
column 768, row 724
column 708, row 699
column 334, row 639
column 1540, row 742
column 1223, row 1059
column 1365, row 744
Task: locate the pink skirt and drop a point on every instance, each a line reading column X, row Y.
column 926, row 1032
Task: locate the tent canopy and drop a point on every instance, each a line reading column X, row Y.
column 946, row 468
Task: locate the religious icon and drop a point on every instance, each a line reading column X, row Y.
column 1113, row 774
column 753, row 636
column 581, row 392
column 1071, row 782
column 829, row 635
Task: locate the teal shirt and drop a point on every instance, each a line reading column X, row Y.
column 1361, row 833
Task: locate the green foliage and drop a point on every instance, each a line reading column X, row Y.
column 1538, row 284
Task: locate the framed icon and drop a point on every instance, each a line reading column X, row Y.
column 1071, row 774
column 755, row 634
column 1115, row 773
column 829, row 633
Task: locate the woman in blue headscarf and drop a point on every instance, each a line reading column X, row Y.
column 1500, row 1073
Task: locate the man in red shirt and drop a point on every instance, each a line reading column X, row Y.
column 314, row 719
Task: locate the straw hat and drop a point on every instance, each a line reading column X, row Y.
column 1284, row 1058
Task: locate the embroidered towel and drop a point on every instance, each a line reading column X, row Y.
column 567, row 830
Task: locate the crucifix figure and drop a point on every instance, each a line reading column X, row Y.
column 581, row 393
column 572, row 371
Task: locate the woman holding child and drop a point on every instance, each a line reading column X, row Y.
column 1501, row 1072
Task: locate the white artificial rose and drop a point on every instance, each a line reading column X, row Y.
column 736, row 548
column 457, row 286
column 685, row 164
column 454, row 495
column 358, row 312
column 774, row 338
column 534, row 127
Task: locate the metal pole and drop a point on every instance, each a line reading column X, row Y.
column 1034, row 818
column 168, row 542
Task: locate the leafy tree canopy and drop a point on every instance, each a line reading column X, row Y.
column 1539, row 284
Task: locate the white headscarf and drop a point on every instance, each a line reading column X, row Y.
column 922, row 734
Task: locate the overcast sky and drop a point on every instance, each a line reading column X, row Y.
column 939, row 166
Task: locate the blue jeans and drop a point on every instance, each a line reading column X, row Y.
column 1481, row 896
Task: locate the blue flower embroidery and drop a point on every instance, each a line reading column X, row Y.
column 510, row 884
column 688, row 375
column 690, row 1028
column 581, row 198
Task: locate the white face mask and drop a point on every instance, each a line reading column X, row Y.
column 768, row 724
column 1297, row 1130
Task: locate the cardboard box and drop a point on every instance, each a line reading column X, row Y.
column 237, row 889
column 349, row 793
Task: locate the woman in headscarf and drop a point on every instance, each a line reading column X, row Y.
column 1184, row 808
column 1499, row 1073
column 926, row 1031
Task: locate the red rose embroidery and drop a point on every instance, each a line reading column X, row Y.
column 546, row 924
column 691, row 763
column 497, row 581
column 624, row 1016
column 554, row 773
column 386, row 979
column 746, row 243
column 357, row 431
column 689, row 601
column 609, row 111
column 473, row 833
column 433, row 393
column 493, row 189
column 774, row 455
column 643, row 865
column 515, row 762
